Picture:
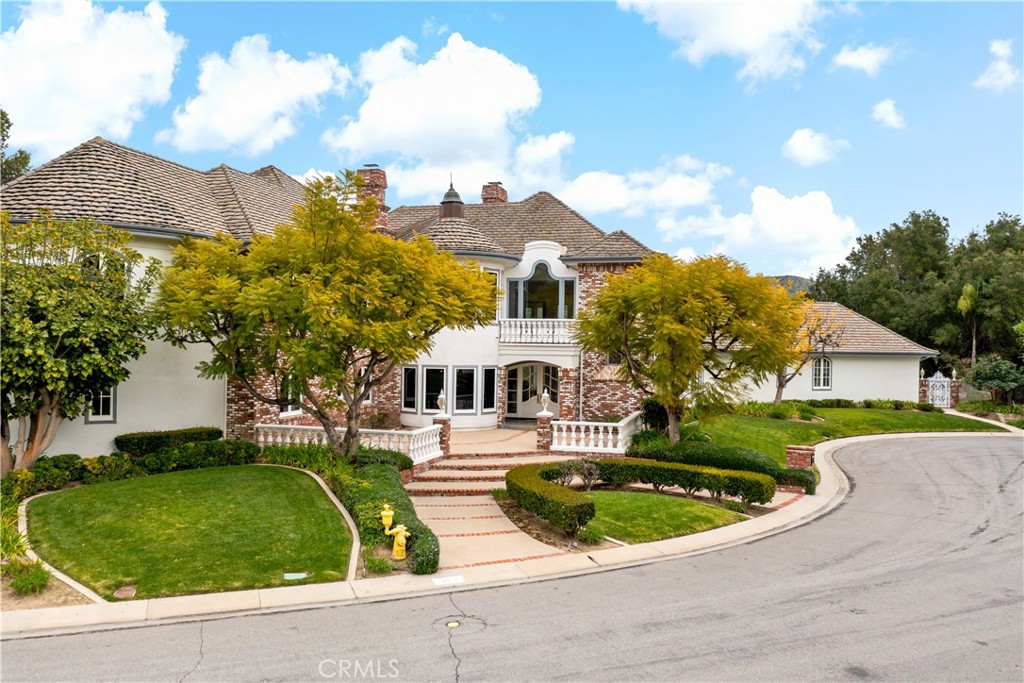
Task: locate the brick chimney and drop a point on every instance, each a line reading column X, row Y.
column 376, row 182
column 494, row 193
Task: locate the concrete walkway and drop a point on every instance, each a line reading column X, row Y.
column 479, row 441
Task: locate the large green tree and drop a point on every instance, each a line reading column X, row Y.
column 74, row 312
column 693, row 334
column 11, row 165
column 322, row 311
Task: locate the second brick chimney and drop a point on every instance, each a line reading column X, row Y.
column 376, row 182
column 494, row 193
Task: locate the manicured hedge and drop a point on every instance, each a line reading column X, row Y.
column 144, row 443
column 383, row 456
column 831, row 403
column 364, row 493
column 718, row 456
column 191, row 456
column 528, row 486
column 798, row 477
column 751, row 487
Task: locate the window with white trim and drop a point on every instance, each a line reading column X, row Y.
column 551, row 382
column 102, row 407
column 290, row 392
column 496, row 277
column 433, row 387
column 821, row 374
column 465, row 390
column 409, row 388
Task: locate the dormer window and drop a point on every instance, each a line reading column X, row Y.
column 542, row 296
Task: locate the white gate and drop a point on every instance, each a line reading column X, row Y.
column 938, row 390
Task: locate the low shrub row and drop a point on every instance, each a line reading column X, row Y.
column 750, row 487
column 798, row 477
column 786, row 410
column 719, row 456
column 989, row 407
column 531, row 488
column 364, row 494
column 144, row 443
column 198, row 454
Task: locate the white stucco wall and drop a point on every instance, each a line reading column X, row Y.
column 855, row 377
column 163, row 392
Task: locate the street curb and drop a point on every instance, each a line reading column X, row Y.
column 833, row 488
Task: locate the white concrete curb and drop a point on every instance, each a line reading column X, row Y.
column 832, row 489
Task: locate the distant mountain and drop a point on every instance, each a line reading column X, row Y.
column 793, row 283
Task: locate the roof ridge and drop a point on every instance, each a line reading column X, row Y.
column 878, row 324
column 224, row 168
column 566, row 206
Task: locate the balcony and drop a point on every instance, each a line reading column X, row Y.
column 535, row 331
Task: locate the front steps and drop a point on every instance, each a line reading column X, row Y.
column 473, row 475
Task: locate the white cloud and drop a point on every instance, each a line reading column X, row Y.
column 461, row 112
column 803, row 232
column 73, row 71
column 313, row 174
column 431, row 28
column 251, row 101
column 868, row 58
column 1000, row 74
column 810, row 148
column 676, row 184
column 769, row 37
column 886, row 113
column 686, row 254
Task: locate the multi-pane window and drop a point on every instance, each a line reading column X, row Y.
column 494, row 277
column 465, row 389
column 433, row 387
column 551, row 382
column 490, row 389
column 290, row 391
column 409, row 388
column 542, row 296
column 821, row 374
column 528, row 383
column 103, row 407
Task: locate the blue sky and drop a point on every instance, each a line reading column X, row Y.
column 773, row 133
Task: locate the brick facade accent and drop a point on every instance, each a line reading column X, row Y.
column 568, row 393
column 446, row 434
column 241, row 417
column 502, row 394
column 955, row 389
column 544, row 433
column 376, row 183
column 604, row 396
column 800, row 457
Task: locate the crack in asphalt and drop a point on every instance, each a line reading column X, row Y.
column 202, row 625
column 451, row 632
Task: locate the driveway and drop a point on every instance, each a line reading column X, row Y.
column 917, row 575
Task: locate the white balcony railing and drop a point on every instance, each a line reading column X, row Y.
column 422, row 445
column 593, row 437
column 535, row 331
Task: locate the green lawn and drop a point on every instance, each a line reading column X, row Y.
column 772, row 436
column 643, row 517
column 198, row 531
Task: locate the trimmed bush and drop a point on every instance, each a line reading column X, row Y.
column 647, row 439
column 140, row 444
column 66, row 462
column 751, row 487
column 364, row 494
column 928, row 408
column 719, row 456
column 383, row 456
column 806, row 413
column 831, row 403
column 798, row 477
column 531, row 488
column 311, row 457
column 113, row 467
column 195, row 455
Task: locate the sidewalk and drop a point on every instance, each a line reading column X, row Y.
column 462, row 572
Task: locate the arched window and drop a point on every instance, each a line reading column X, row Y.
column 542, row 295
column 821, row 373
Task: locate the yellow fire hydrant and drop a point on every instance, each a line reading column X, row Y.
column 400, row 535
column 387, row 515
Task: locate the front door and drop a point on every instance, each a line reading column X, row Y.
column 526, row 384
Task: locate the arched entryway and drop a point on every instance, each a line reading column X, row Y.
column 525, row 384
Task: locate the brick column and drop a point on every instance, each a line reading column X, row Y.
column 241, row 414
column 954, row 392
column 568, row 393
column 800, row 457
column 922, row 390
column 446, row 433
column 544, row 431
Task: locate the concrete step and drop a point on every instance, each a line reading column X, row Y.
column 444, row 474
column 452, row 488
column 508, row 454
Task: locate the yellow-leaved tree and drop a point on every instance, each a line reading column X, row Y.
column 692, row 334
column 322, row 311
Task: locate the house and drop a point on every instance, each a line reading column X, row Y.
column 870, row 361
column 547, row 260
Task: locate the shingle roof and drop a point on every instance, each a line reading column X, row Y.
column 615, row 245
column 863, row 335
column 511, row 225
column 457, row 235
column 125, row 187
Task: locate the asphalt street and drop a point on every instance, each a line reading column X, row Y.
column 918, row 575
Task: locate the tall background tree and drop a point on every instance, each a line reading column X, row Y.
column 11, row 165
column 692, row 334
column 322, row 311
column 74, row 312
column 911, row 278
